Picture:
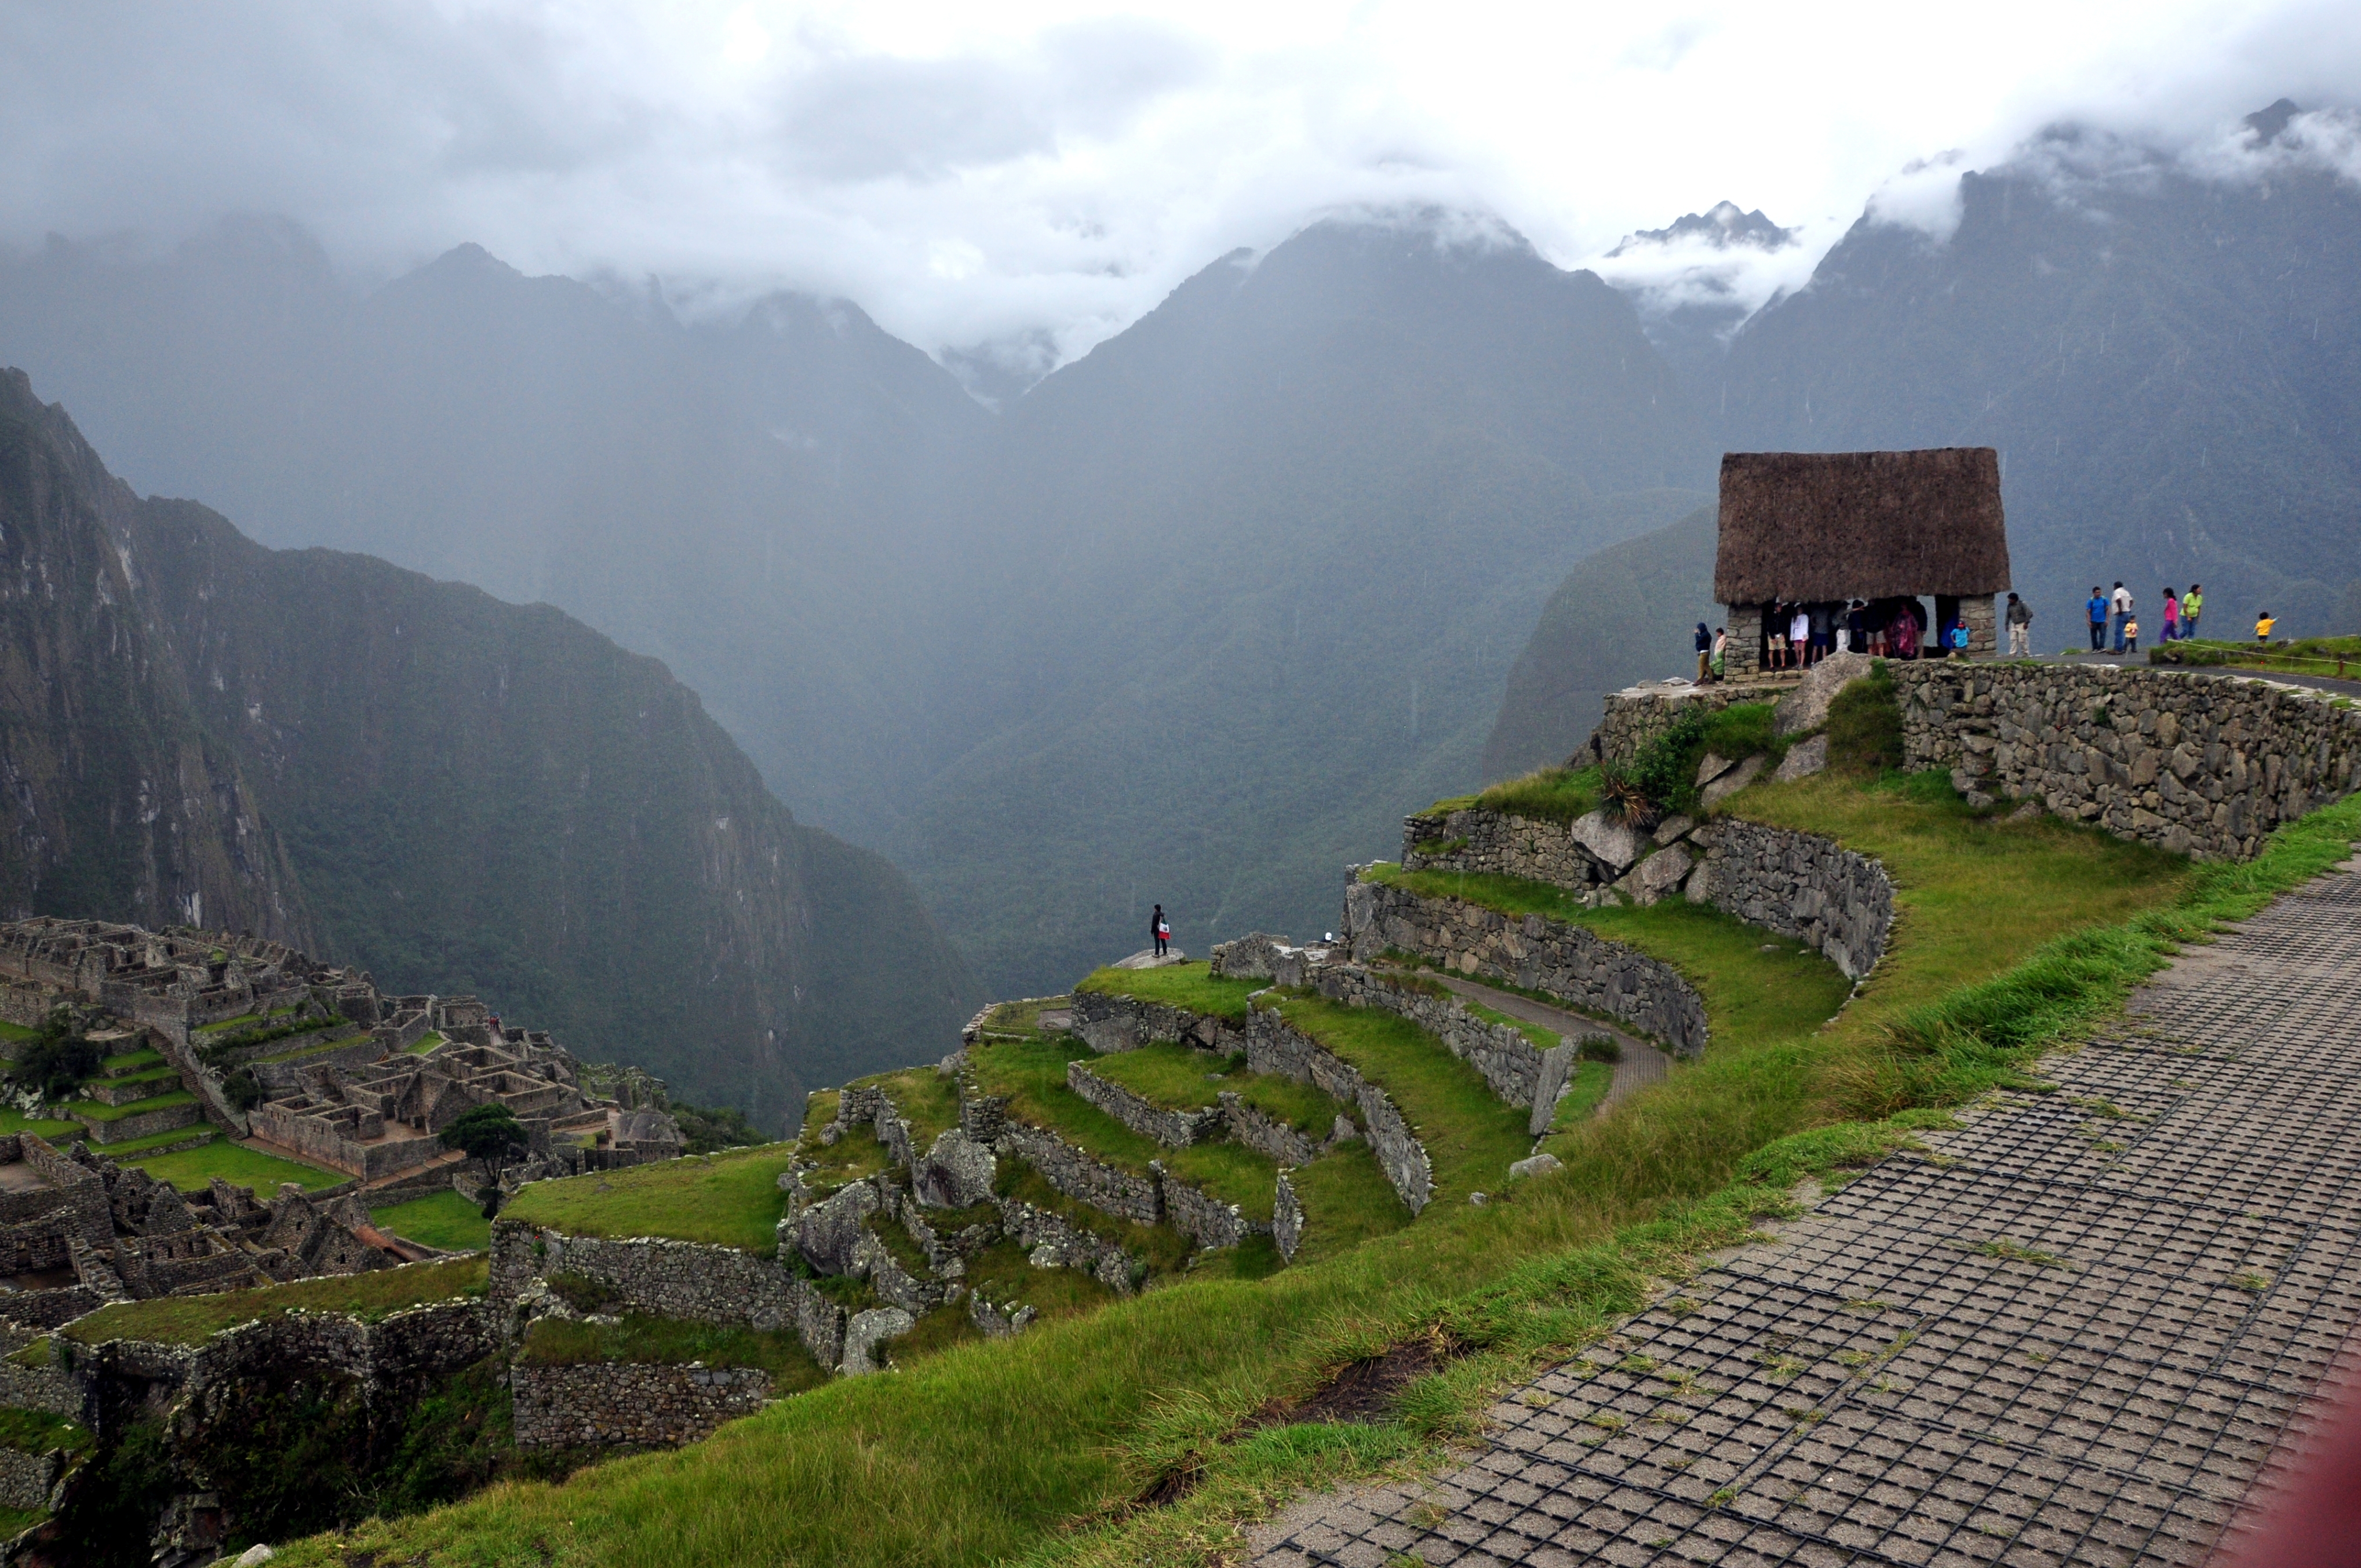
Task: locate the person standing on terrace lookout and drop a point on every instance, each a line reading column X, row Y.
column 2120, row 601
column 2020, row 628
column 2190, row 603
column 1162, row 932
column 2098, row 607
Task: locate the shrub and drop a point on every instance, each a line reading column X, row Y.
column 243, row 1090
column 59, row 1059
column 1600, row 1047
column 1865, row 724
column 710, row 1127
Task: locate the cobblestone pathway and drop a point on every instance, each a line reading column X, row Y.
column 2073, row 1333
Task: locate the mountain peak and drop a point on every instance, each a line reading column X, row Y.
column 2266, row 123
column 1721, row 227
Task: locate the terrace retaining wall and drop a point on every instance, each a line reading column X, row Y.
column 1110, row 1024
column 1081, row 1176
column 1275, row 1046
column 28, row 1479
column 2201, row 765
column 1532, row 952
column 1264, row 1133
column 1173, row 1129
column 607, row 1405
column 1512, row 1066
column 1800, row 885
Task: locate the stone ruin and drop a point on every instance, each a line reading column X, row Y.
column 363, row 1090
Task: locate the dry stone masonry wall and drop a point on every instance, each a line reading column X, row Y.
column 606, row 1405
column 1532, row 952
column 1276, row 1047
column 1112, row 1024
column 1513, row 1066
column 1800, row 885
column 2198, row 764
column 1173, row 1129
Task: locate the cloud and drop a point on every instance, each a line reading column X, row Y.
column 1038, row 174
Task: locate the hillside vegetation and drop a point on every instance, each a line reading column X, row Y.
column 1037, row 1450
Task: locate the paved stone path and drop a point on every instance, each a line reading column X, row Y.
column 1642, row 1063
column 2071, row 1332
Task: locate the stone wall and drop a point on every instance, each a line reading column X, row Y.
column 1069, row 1246
column 324, row 1142
column 281, row 1078
column 146, row 1123
column 1287, row 1219
column 1477, row 840
column 1264, row 1133
column 1637, row 715
column 26, row 1479
column 1204, row 1219
column 1530, row 951
column 1081, row 1176
column 1510, row 1063
column 2198, row 764
column 50, row 1389
column 1111, row 1024
column 1276, row 1047
column 608, row 1405
column 1800, row 885
column 1173, row 1129
column 673, row 1280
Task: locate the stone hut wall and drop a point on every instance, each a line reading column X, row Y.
column 82, row 1189
column 1173, row 1129
column 1274, row 1045
column 611, row 1404
column 1800, row 885
column 2201, row 765
column 1530, row 951
column 1111, row 1024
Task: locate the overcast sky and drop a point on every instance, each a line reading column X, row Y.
column 977, row 171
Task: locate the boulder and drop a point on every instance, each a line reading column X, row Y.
column 1146, row 958
column 1711, row 767
column 1807, row 708
column 864, row 1332
column 1672, row 828
column 1248, row 957
column 1731, row 783
column 1804, row 757
column 1698, row 889
column 1539, row 1165
column 1611, row 840
column 828, row 1233
column 1661, row 873
column 999, row 1322
column 956, row 1173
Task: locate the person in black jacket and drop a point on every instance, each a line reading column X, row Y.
column 1158, row 929
column 1704, row 653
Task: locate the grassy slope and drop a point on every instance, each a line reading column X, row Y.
column 994, row 1452
column 665, row 1342
column 190, row 1320
column 729, row 1200
column 1191, row 985
column 190, row 1170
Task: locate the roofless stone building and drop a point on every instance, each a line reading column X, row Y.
column 1831, row 526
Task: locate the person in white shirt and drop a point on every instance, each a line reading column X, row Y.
column 1799, row 635
column 2119, row 602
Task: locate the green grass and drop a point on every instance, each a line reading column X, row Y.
column 193, row 1319
column 17, row 1032
column 234, row 1163
column 1543, row 1039
column 37, row 1432
column 640, row 1340
column 1174, row 1077
column 130, row 1061
column 857, row 1153
column 1028, row 1452
column 728, row 1199
column 317, row 1048
column 426, row 1043
column 91, row 1111
column 1191, row 985
column 1749, row 995
column 247, row 1021
column 2336, row 657
column 1346, row 1200
column 1299, row 1105
column 130, row 1149
column 1032, row 1073
column 15, row 1522
column 442, row 1220
column 15, row 1121
column 1001, row 1275
column 1590, row 1083
column 928, row 1100
column 160, row 1073
column 1471, row 1138
column 1546, row 794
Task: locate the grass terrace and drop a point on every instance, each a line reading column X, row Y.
column 317, row 1048
column 37, row 1432
column 208, row 1033
column 54, row 1130
column 1034, row 1450
column 426, row 1043
column 130, row 1061
column 1175, row 1077
column 89, row 1110
column 193, row 1319
column 1192, row 985
column 195, row 1133
column 928, row 1100
column 2338, row 658
column 726, row 1200
column 443, row 1221
column 240, row 1165
column 641, row 1340
column 1032, row 1074
column 19, row 1033
column 857, row 1152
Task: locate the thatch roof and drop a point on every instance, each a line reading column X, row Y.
column 1831, row 525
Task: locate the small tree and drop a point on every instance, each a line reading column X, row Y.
column 490, row 1132
column 59, row 1059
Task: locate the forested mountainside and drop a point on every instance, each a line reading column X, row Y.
column 1268, row 555
column 461, row 793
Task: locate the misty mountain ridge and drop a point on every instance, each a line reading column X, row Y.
column 457, row 794
column 1193, row 615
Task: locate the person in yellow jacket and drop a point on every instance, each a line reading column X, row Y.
column 2190, row 603
column 2262, row 624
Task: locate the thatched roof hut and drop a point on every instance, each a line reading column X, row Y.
column 1838, row 525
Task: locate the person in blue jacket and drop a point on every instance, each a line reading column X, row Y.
column 2098, row 608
